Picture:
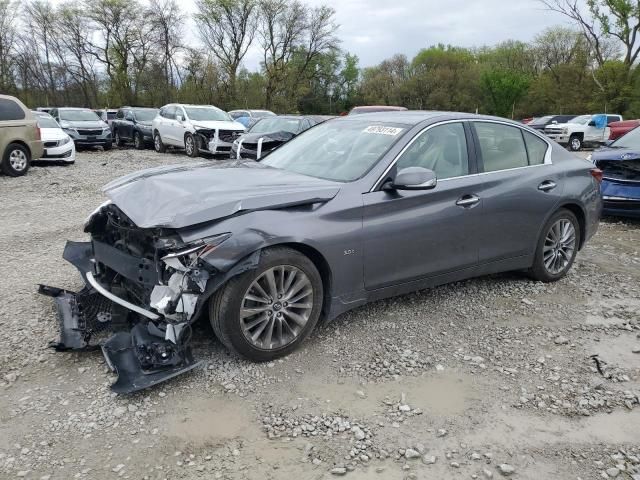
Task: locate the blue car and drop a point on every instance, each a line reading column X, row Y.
column 620, row 164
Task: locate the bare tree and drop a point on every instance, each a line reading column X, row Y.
column 227, row 29
column 619, row 19
column 8, row 38
column 166, row 20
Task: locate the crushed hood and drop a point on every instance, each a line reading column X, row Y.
column 271, row 137
column 178, row 196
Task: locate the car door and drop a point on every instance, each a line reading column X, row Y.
column 410, row 235
column 166, row 126
column 519, row 189
column 128, row 124
column 179, row 127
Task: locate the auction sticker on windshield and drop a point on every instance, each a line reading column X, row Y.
column 381, row 130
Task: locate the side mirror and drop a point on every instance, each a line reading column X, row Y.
column 555, row 122
column 414, row 178
column 592, row 123
column 179, row 118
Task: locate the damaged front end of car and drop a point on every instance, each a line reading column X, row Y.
column 145, row 288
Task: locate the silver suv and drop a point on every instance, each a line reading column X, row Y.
column 84, row 126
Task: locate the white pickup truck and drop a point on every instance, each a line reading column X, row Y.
column 585, row 130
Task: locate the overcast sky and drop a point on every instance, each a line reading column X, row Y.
column 377, row 29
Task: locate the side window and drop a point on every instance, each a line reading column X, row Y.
column 120, row 114
column 442, row 149
column 169, row 112
column 180, row 111
column 536, row 148
column 612, row 118
column 501, row 146
column 10, row 110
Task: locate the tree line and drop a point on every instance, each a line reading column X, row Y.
column 101, row 53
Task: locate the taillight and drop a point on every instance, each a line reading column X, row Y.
column 38, row 135
column 597, row 174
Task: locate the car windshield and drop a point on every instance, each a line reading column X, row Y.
column 343, row 151
column 145, row 115
column 630, row 140
column 206, row 114
column 79, row 116
column 47, row 121
column 268, row 125
column 262, row 113
column 582, row 119
column 541, row 120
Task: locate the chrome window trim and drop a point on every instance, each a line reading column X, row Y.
column 547, row 155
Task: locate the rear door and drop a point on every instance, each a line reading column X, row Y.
column 166, row 126
column 410, row 235
column 519, row 188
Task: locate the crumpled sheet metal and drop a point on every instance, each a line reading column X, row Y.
column 180, row 196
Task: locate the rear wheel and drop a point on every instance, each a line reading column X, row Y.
column 575, row 143
column 267, row 312
column 191, row 145
column 157, row 143
column 16, row 160
column 557, row 247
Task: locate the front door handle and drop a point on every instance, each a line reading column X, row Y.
column 547, row 186
column 467, row 201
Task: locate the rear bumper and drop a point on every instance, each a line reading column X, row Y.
column 37, row 149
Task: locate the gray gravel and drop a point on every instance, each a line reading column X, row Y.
column 489, row 378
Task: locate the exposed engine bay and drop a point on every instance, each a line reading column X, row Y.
column 143, row 285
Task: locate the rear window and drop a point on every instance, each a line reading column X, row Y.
column 10, row 110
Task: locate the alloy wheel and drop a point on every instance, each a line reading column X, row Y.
column 156, row 142
column 136, row 140
column 559, row 245
column 276, row 307
column 189, row 145
column 576, row 144
column 18, row 160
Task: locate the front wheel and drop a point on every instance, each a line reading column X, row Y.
column 157, row 143
column 575, row 143
column 118, row 139
column 266, row 313
column 137, row 141
column 557, row 247
column 191, row 145
column 16, row 160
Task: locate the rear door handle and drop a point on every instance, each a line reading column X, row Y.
column 547, row 186
column 467, row 201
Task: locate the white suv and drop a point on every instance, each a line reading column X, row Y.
column 196, row 128
column 585, row 130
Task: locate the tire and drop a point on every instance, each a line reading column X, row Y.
column 107, row 146
column 16, row 160
column 157, row 143
column 138, row 143
column 575, row 143
column 546, row 252
column 191, row 145
column 118, row 139
column 225, row 307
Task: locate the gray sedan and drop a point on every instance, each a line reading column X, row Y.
column 353, row 210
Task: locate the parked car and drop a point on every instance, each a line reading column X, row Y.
column 107, row 115
column 541, row 123
column 353, row 210
column 375, row 108
column 84, row 126
column 249, row 117
column 618, row 129
column 20, row 140
column 134, row 124
column 620, row 165
column 269, row 133
column 196, row 128
column 58, row 145
column 585, row 130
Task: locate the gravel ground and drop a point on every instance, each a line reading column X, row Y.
column 486, row 378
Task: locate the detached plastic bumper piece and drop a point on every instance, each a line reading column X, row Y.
column 142, row 358
column 83, row 318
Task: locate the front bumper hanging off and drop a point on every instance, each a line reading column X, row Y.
column 143, row 348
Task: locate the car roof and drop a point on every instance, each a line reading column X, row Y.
column 73, row 108
column 415, row 117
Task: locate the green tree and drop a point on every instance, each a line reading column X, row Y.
column 503, row 89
